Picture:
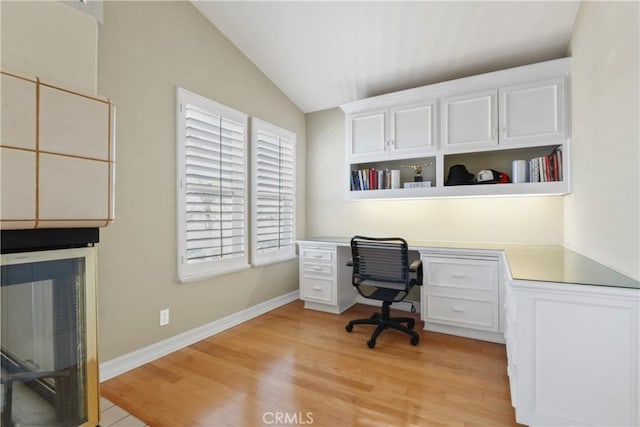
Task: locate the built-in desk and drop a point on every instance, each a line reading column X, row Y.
column 570, row 324
column 542, row 263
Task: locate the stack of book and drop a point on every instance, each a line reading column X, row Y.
column 546, row 168
column 370, row 179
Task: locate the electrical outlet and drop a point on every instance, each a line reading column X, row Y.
column 164, row 317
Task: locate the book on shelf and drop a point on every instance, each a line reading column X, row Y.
column 547, row 168
column 370, row 179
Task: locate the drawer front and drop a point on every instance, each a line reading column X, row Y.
column 462, row 312
column 317, row 289
column 478, row 275
column 320, row 269
column 317, row 255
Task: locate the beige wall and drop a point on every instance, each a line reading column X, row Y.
column 145, row 50
column 50, row 40
column 602, row 215
column 495, row 219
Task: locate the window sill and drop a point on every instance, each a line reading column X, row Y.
column 274, row 261
column 212, row 274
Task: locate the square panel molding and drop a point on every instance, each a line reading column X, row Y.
column 58, row 159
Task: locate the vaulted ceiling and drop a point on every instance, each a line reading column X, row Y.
column 322, row 54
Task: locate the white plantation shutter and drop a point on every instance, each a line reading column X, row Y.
column 212, row 188
column 273, row 193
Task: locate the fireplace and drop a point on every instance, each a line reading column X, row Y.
column 48, row 328
column 57, row 164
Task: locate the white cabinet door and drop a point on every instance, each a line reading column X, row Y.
column 413, row 130
column 368, row 136
column 397, row 133
column 470, row 121
column 533, row 112
column 576, row 355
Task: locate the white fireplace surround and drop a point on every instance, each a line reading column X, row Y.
column 58, row 156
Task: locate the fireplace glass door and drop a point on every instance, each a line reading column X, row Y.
column 48, row 338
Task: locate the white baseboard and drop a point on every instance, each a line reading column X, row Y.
column 497, row 337
column 137, row 358
column 402, row 305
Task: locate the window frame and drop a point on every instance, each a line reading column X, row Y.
column 259, row 258
column 210, row 268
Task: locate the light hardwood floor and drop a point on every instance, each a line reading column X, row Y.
column 303, row 367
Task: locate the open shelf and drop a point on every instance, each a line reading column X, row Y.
column 500, row 160
column 496, row 159
column 429, row 172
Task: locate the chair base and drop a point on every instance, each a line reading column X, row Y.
column 384, row 321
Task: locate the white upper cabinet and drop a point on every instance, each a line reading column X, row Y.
column 520, row 116
column 532, row 112
column 525, row 114
column 470, row 120
column 412, row 129
column 392, row 133
column 368, row 133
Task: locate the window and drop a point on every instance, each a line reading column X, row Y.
column 273, row 193
column 212, row 187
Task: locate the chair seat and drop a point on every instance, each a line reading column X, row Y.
column 379, row 284
column 385, row 294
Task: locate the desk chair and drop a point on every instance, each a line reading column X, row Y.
column 381, row 271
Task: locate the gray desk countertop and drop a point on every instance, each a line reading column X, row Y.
column 544, row 263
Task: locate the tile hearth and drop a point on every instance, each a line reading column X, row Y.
column 114, row 416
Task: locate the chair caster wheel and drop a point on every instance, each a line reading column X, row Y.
column 349, row 327
column 414, row 340
column 371, row 344
column 411, row 324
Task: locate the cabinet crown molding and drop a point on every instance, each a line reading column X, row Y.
column 510, row 76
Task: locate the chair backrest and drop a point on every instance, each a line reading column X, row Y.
column 380, row 260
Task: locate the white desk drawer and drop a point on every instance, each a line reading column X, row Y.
column 462, row 312
column 472, row 274
column 317, row 288
column 322, row 269
column 315, row 255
